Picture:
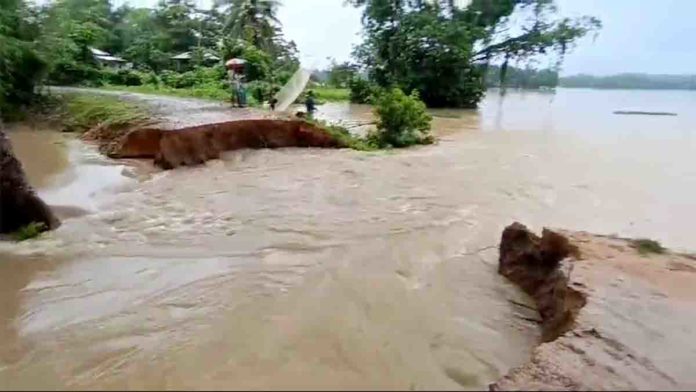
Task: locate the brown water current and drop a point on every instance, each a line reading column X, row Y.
column 308, row 268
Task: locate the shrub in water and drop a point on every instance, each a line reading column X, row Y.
column 402, row 120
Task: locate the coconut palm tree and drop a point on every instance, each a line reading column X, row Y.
column 252, row 20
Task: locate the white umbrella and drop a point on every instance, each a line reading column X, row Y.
column 233, row 62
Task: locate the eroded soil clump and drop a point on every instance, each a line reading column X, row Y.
column 195, row 145
column 612, row 317
column 19, row 204
column 541, row 266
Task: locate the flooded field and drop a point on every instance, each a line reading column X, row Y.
column 330, row 269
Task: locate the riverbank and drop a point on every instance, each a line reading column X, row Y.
column 322, row 94
column 332, row 269
column 128, row 125
column 617, row 314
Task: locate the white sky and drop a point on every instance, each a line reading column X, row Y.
column 652, row 36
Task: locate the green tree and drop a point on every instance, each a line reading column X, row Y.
column 70, row 29
column 340, row 75
column 442, row 51
column 176, row 26
column 254, row 21
column 21, row 68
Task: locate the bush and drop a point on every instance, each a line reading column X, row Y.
column 647, row 246
column 21, row 69
column 200, row 76
column 361, row 90
column 68, row 73
column 151, row 78
column 30, row 231
column 122, row 77
column 130, row 78
column 261, row 91
column 402, row 120
column 343, row 136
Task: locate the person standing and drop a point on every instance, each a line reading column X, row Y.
column 241, row 93
column 235, row 85
column 310, row 103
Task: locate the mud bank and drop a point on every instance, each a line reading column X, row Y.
column 171, row 148
column 19, row 203
column 611, row 318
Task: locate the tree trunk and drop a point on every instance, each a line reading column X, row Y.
column 19, row 204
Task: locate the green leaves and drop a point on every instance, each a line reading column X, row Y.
column 402, row 119
column 438, row 48
column 20, row 65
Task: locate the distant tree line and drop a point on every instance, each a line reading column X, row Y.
column 524, row 78
column 632, row 81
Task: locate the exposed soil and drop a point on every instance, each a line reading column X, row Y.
column 604, row 309
column 196, row 145
column 19, row 204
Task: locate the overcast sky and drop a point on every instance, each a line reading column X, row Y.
column 652, row 36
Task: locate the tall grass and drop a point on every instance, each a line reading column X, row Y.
column 85, row 111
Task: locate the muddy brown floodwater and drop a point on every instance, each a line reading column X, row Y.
column 325, row 269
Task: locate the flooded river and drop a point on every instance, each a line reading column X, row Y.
column 316, row 269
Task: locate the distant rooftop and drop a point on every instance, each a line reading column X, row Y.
column 104, row 56
column 187, row 56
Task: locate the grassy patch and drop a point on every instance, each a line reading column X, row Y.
column 344, row 137
column 85, row 111
column 646, row 246
column 29, row 231
column 213, row 92
column 330, row 94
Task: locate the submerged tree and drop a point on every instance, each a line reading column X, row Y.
column 442, row 50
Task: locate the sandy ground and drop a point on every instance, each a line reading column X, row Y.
column 636, row 331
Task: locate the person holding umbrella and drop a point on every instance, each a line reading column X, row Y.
column 235, row 72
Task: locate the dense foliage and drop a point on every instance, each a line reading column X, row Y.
column 402, row 119
column 442, row 50
column 361, row 90
column 20, row 65
column 65, row 33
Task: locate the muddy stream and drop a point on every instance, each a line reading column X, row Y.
column 328, row 269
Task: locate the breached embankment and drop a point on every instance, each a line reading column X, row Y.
column 611, row 318
column 172, row 148
column 19, row 204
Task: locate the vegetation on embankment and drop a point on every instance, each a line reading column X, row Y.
column 646, row 246
column 30, row 231
column 82, row 112
column 223, row 93
column 402, row 121
column 210, row 93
